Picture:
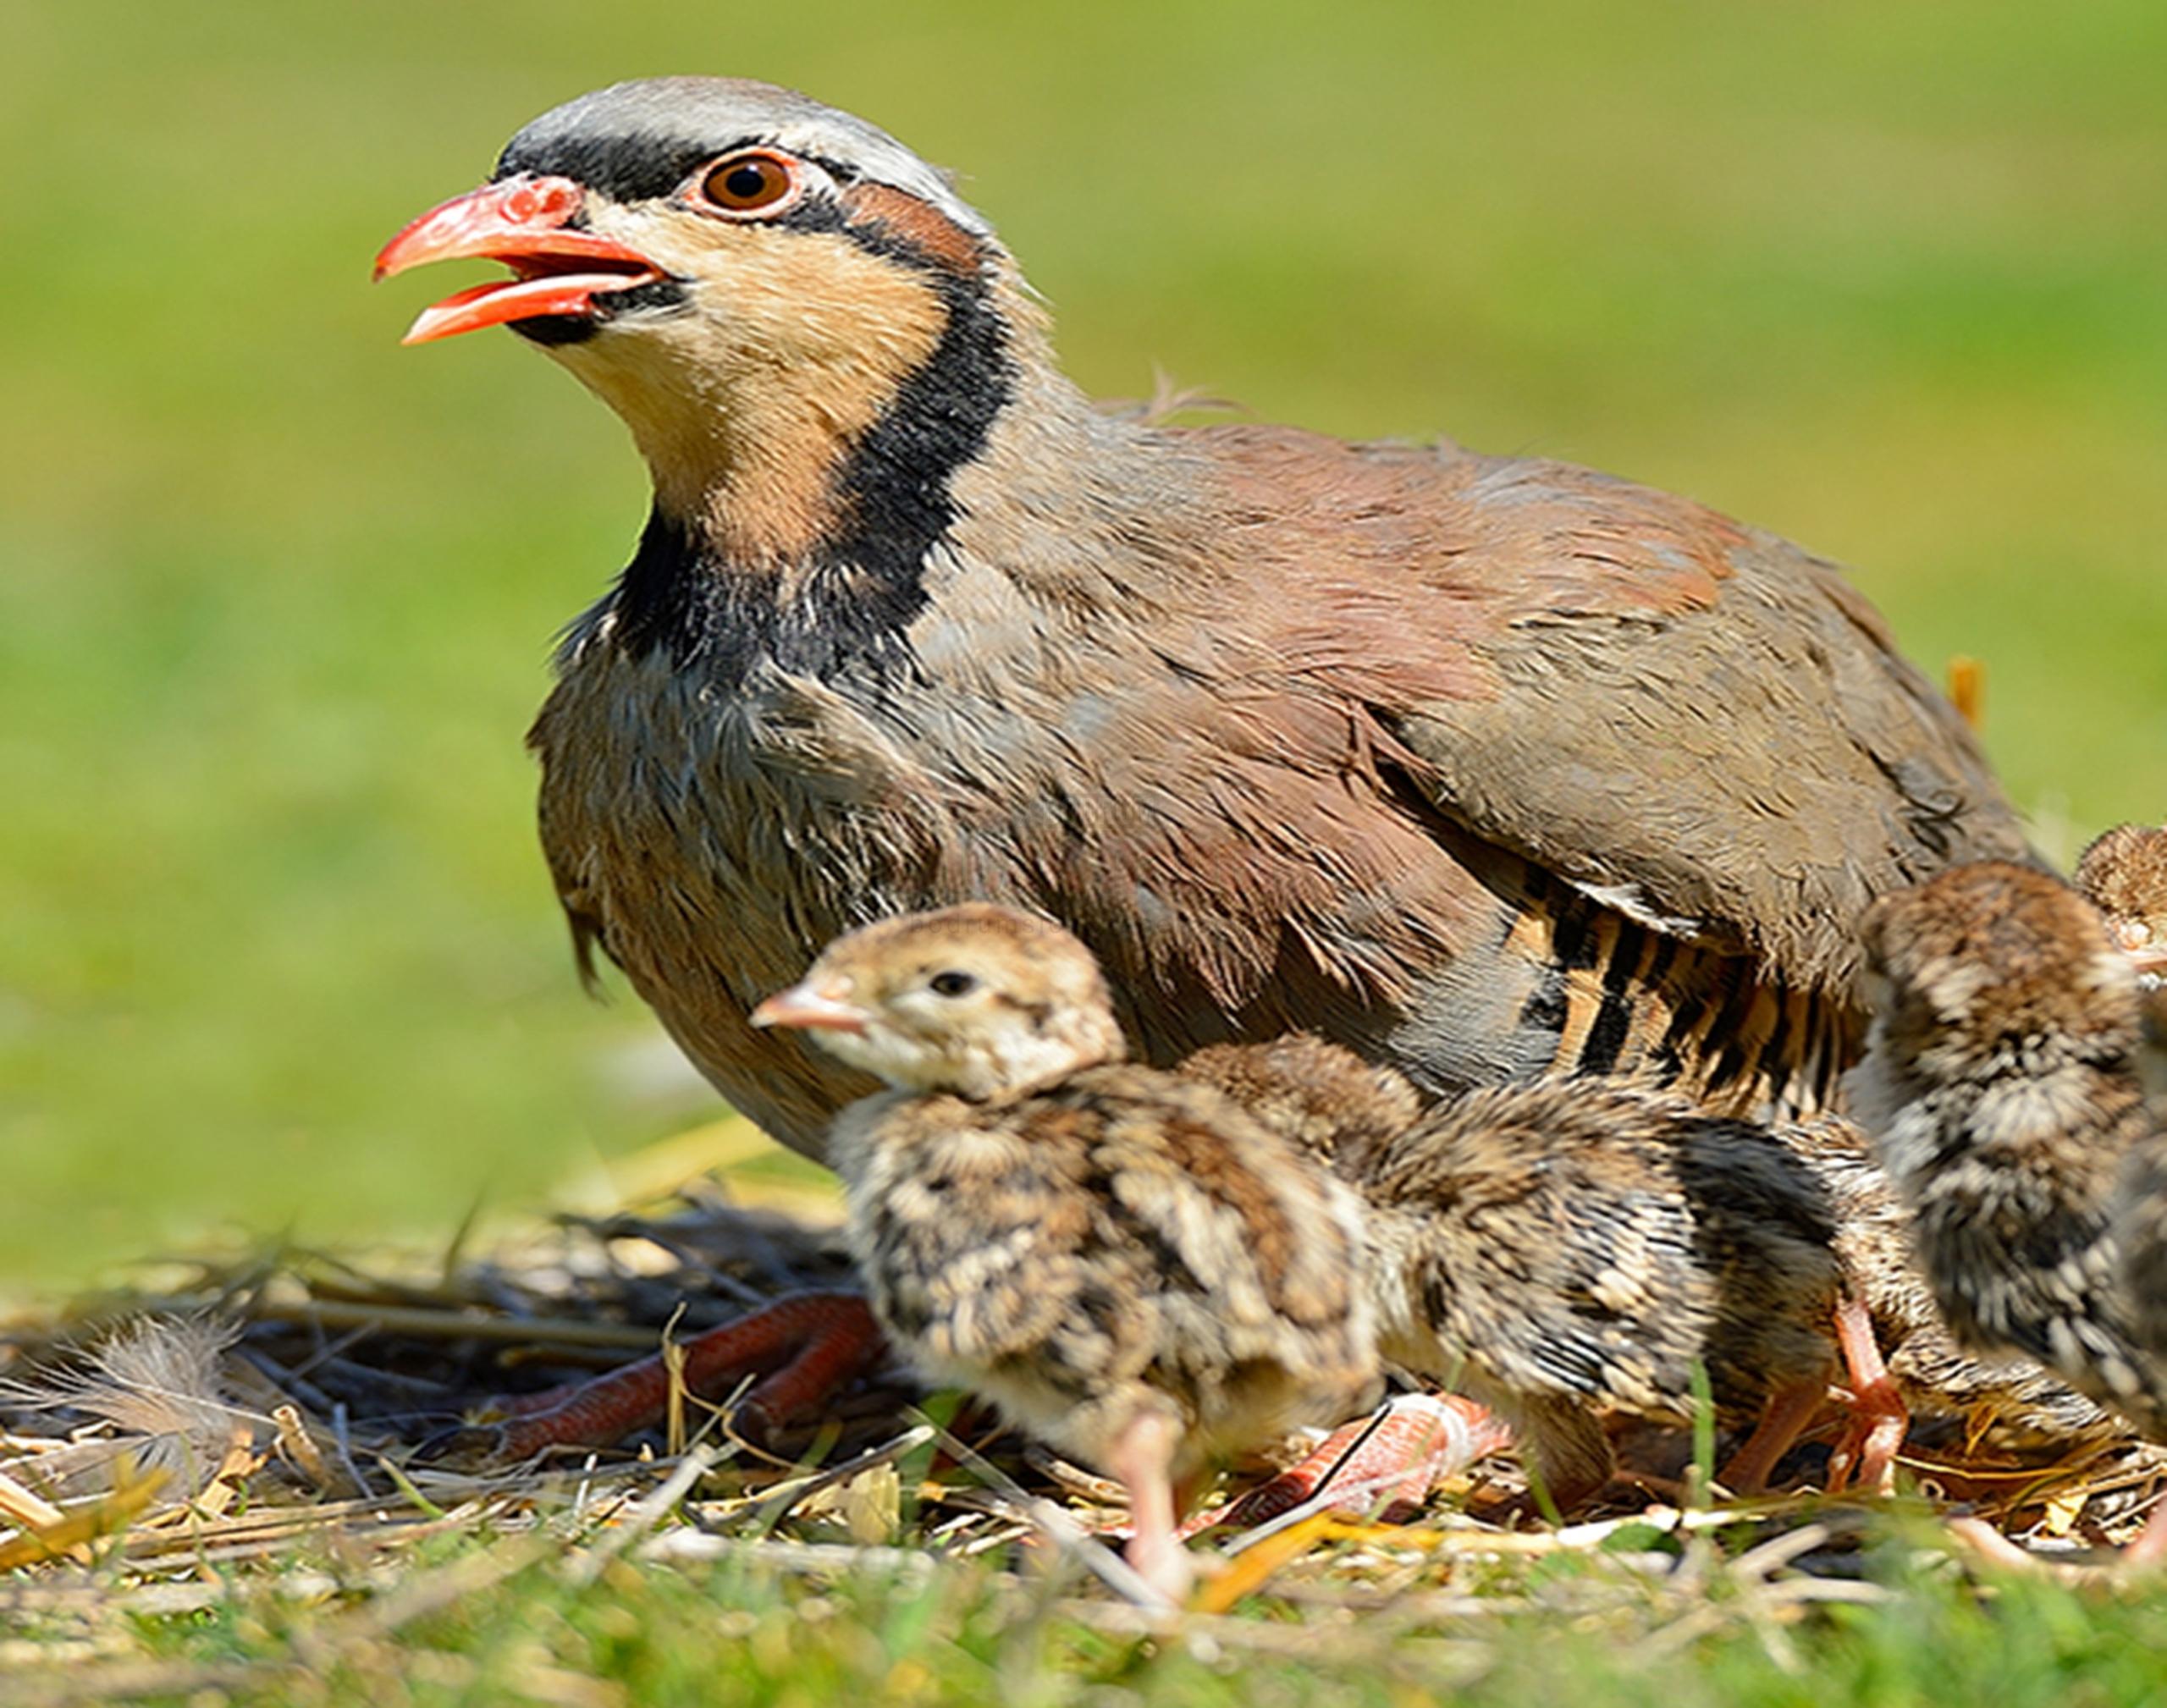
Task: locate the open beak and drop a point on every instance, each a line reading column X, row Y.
column 520, row 221
column 810, row 1010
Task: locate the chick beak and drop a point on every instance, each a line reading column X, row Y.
column 522, row 223
column 811, row 1010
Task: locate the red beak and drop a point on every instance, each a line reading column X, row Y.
column 519, row 222
column 810, row 1010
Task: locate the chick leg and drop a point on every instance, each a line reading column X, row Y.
column 1391, row 1457
column 1789, row 1409
column 1879, row 1418
column 819, row 1341
column 1141, row 1459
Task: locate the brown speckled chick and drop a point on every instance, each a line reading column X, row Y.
column 2002, row 1404
column 2001, row 1086
column 2141, row 1218
column 1576, row 1246
column 2123, row 873
column 1568, row 1248
column 1118, row 1257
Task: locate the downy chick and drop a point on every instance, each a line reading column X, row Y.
column 2001, row 1086
column 1126, row 1264
column 1567, row 1248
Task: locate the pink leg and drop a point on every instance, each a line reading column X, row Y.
column 1879, row 1418
column 1789, row 1409
column 1390, row 1459
column 1141, row 1457
column 819, row 1338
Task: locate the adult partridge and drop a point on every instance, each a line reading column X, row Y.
column 1488, row 769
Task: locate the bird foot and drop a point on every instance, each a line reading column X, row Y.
column 1879, row 1418
column 811, row 1343
column 1388, row 1460
column 1789, row 1410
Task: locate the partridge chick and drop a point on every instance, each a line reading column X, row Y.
column 2001, row 1086
column 1578, row 1249
column 1126, row 1264
column 2005, row 1404
column 2123, row 874
column 1348, row 1112
column 1568, row 1249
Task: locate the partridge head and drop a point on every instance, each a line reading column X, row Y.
column 2123, row 872
column 980, row 1001
column 1487, row 768
column 1126, row 1264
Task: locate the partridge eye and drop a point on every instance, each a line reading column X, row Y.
column 952, row 983
column 754, row 182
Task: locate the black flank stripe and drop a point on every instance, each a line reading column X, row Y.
column 1613, row 1020
column 1659, row 968
column 1545, row 1009
column 1775, row 1066
column 1571, row 942
column 1685, row 1018
column 1730, row 1029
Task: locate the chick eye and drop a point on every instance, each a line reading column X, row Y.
column 952, row 983
column 757, row 181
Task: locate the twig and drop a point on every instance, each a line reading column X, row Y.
column 776, row 1502
column 31, row 1511
column 643, row 1516
column 823, row 1559
column 1062, row 1530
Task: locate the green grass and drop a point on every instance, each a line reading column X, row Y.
column 739, row 1630
column 275, row 594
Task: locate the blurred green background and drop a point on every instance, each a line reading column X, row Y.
column 276, row 947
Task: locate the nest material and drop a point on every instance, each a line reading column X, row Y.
column 137, row 1424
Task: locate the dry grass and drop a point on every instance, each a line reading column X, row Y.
column 253, row 1421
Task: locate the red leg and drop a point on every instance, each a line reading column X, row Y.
column 1879, row 1418
column 820, row 1340
column 1392, row 1459
column 1789, row 1409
